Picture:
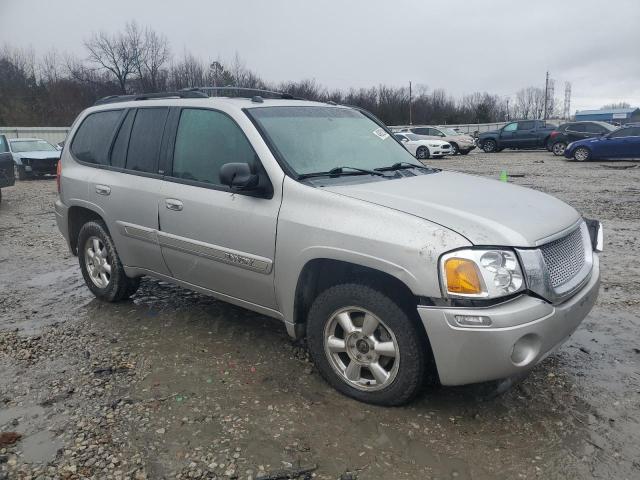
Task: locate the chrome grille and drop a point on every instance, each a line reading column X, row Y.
column 564, row 257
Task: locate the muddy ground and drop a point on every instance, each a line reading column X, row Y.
column 176, row 384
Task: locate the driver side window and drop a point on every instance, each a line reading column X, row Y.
column 511, row 127
column 206, row 140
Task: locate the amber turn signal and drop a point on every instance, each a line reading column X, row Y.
column 462, row 276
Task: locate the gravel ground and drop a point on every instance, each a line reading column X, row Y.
column 173, row 384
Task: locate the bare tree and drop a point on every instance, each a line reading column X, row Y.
column 611, row 106
column 115, row 53
column 152, row 55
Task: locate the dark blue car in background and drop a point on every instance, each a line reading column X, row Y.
column 621, row 143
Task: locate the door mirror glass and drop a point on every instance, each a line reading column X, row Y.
column 238, row 176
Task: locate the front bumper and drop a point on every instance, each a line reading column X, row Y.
column 466, row 147
column 524, row 331
column 43, row 166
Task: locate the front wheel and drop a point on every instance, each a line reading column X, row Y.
column 100, row 265
column 489, row 146
column 422, row 153
column 366, row 345
column 582, row 154
column 558, row 148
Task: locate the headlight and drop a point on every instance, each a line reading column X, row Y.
column 568, row 147
column 435, row 145
column 481, row 273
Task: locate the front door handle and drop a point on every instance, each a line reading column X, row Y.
column 173, row 204
column 103, row 189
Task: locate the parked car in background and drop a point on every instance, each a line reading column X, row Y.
column 7, row 178
column 623, row 142
column 573, row 131
column 523, row 134
column 423, row 148
column 460, row 142
column 33, row 157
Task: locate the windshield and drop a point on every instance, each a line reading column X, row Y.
column 449, row 131
column 318, row 139
column 19, row 146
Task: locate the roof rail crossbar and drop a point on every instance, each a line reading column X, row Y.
column 150, row 96
column 246, row 90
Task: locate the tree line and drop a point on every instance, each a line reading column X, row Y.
column 51, row 89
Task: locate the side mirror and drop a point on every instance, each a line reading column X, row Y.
column 238, row 176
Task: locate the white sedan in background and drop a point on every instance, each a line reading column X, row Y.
column 423, row 148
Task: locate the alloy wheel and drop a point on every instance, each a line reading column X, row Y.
column 97, row 261
column 558, row 148
column 361, row 348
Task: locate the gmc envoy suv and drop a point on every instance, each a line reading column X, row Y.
column 313, row 213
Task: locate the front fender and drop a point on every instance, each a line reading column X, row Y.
column 317, row 224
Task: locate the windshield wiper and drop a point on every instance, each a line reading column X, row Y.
column 400, row 165
column 334, row 172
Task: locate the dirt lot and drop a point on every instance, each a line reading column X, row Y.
column 175, row 384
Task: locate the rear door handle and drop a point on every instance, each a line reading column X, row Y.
column 103, row 189
column 173, row 204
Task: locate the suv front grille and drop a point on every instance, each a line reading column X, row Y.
column 564, row 257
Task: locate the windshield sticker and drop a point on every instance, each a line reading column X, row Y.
column 381, row 133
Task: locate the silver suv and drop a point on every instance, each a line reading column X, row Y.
column 314, row 214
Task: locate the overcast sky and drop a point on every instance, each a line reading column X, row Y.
column 497, row 46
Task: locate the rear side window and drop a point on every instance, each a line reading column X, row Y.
column 526, row 125
column 206, row 140
column 119, row 150
column 146, row 135
column 420, row 131
column 92, row 140
column 577, row 127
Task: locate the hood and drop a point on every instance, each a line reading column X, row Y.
column 39, row 154
column 486, row 212
column 426, row 141
column 587, row 141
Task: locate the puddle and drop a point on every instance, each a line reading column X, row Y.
column 40, row 447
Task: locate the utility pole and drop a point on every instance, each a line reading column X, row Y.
column 507, row 109
column 567, row 101
column 410, row 113
column 546, row 95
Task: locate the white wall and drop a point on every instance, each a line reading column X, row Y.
column 50, row 134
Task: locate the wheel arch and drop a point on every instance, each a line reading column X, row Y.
column 319, row 274
column 78, row 215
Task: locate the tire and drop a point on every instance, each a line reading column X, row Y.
column 101, row 266
column 21, row 173
column 397, row 329
column 582, row 154
column 422, row 153
column 558, row 148
column 490, row 146
column 454, row 149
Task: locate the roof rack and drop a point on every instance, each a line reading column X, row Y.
column 247, row 91
column 151, row 96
